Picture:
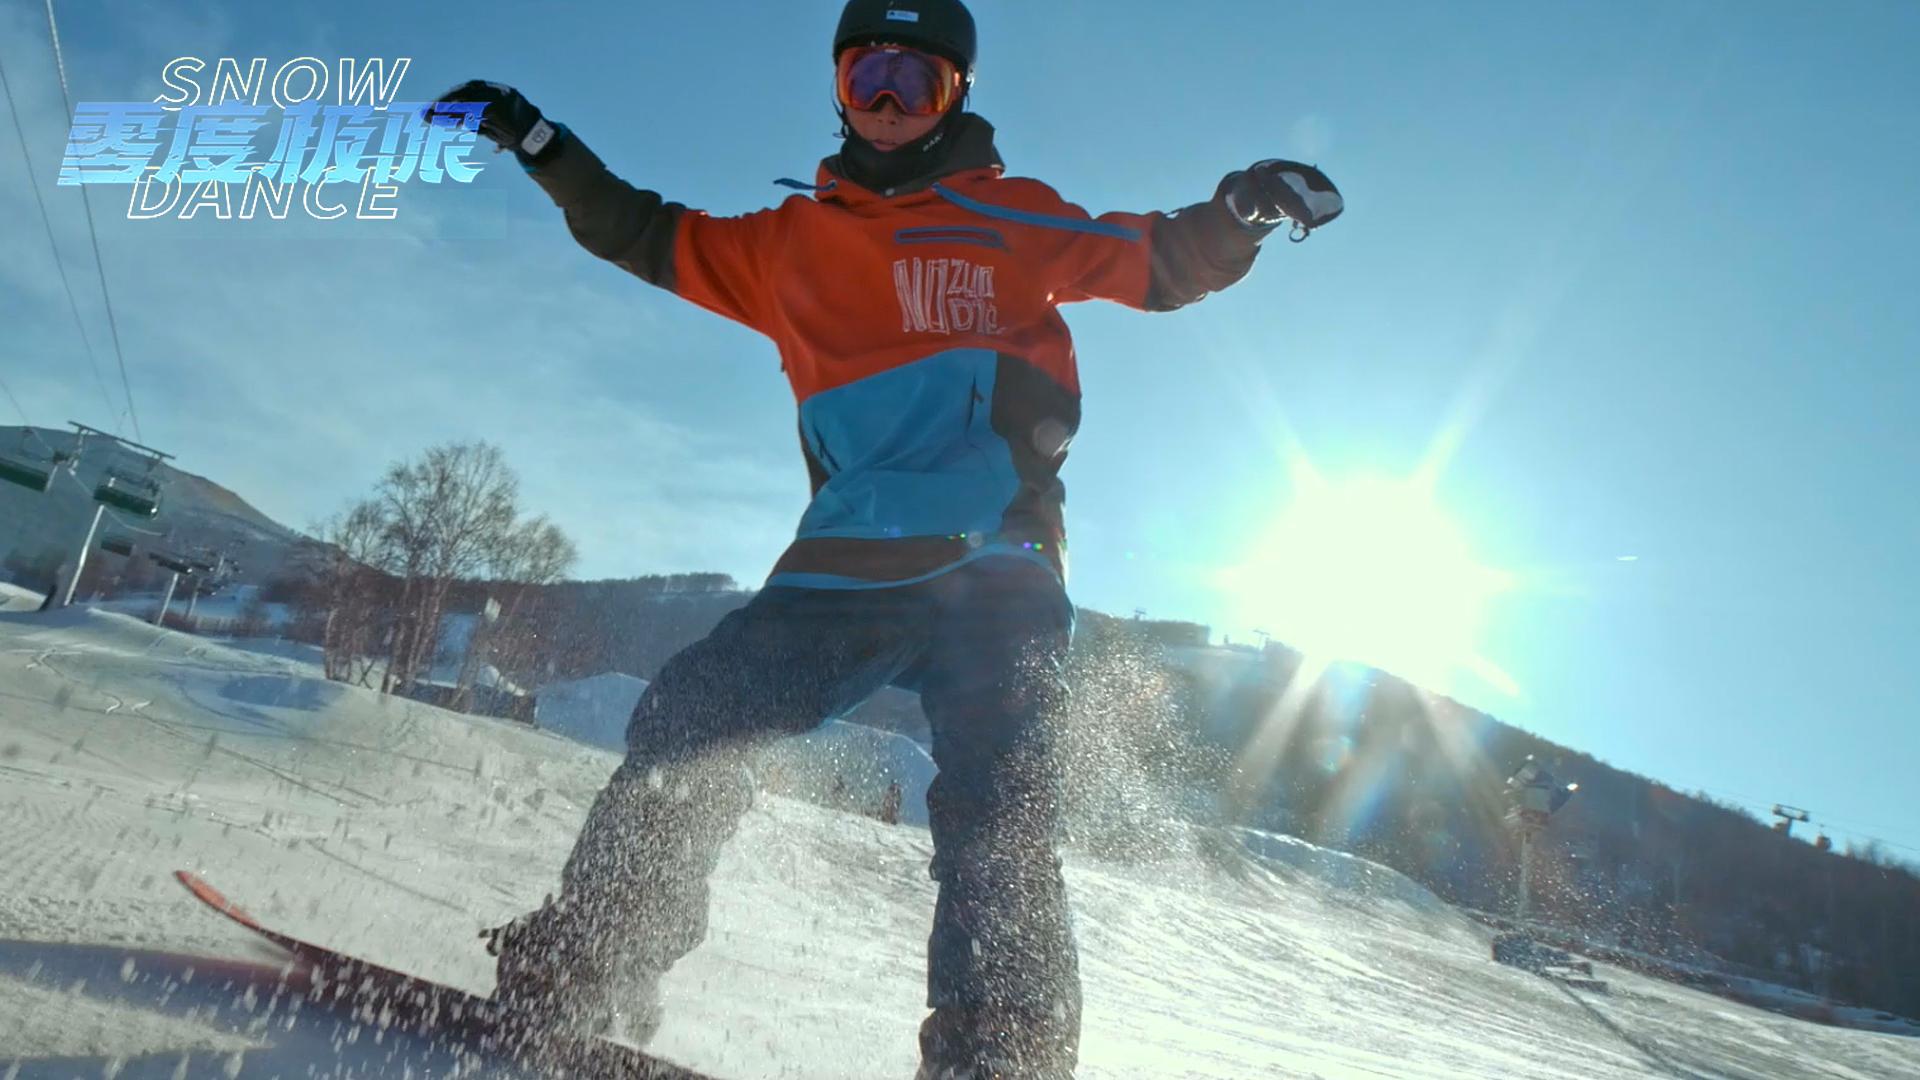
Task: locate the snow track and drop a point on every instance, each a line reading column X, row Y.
column 397, row 831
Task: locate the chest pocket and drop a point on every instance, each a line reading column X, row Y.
column 952, row 234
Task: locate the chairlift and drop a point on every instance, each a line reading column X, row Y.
column 31, row 470
column 171, row 562
column 181, row 566
column 118, row 545
column 134, row 494
column 1537, row 794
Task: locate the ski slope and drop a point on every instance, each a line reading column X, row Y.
column 15, row 598
column 397, row 831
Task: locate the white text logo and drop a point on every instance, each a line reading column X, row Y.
column 945, row 296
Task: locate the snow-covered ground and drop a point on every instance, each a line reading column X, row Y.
column 227, row 608
column 849, row 766
column 593, row 710
column 843, row 765
column 397, row 830
column 15, row 598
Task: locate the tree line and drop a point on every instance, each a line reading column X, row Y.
column 441, row 527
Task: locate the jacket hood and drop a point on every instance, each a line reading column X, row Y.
column 970, row 149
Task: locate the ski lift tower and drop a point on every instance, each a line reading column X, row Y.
column 136, row 492
column 213, row 570
column 1536, row 796
column 1788, row 815
column 205, row 575
column 178, row 566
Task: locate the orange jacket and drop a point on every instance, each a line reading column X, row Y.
column 919, row 328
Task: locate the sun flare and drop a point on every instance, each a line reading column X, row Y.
column 1372, row 569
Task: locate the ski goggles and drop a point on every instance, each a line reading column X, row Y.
column 920, row 83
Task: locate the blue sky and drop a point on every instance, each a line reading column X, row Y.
column 1643, row 268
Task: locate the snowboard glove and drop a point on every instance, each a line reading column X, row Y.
column 1273, row 191
column 506, row 117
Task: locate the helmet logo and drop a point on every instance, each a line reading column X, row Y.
column 897, row 15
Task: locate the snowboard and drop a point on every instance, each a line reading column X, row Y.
column 471, row 1026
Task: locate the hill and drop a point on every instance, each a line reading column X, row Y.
column 40, row 533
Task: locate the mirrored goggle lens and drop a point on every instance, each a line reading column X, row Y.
column 919, row 83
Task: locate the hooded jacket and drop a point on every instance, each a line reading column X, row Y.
column 919, row 328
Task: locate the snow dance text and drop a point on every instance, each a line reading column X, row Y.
column 240, row 141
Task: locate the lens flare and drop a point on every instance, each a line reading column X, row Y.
column 1371, row 569
column 1365, row 569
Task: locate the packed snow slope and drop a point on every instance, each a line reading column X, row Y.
column 15, row 598
column 397, row 831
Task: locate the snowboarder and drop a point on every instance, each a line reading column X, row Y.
column 912, row 294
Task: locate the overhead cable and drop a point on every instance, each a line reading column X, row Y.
column 33, row 185
column 93, row 235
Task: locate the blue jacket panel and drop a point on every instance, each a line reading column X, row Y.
column 910, row 452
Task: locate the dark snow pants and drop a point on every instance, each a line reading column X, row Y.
column 984, row 645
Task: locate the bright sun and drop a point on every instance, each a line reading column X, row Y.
column 1371, row 569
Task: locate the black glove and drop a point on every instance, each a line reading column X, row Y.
column 1274, row 191
column 508, row 118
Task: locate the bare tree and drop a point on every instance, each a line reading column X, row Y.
column 533, row 553
column 445, row 514
column 537, row 554
column 351, row 590
column 441, row 526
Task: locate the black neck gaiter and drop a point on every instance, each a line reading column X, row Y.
column 882, row 171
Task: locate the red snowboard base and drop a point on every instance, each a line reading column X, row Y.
column 474, row 1031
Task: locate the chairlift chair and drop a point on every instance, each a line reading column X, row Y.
column 118, row 545
column 31, row 470
column 134, row 494
column 181, row 567
column 170, row 562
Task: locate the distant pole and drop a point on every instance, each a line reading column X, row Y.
column 80, row 564
column 160, row 616
column 1833, row 934
column 1525, row 904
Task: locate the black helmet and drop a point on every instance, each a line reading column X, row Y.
column 938, row 26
